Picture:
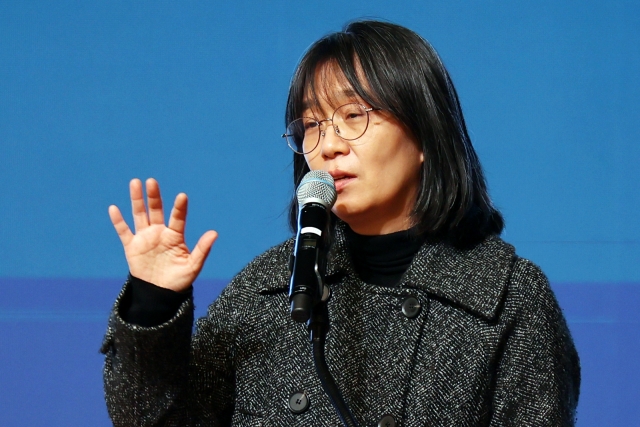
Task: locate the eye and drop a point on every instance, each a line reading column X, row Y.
column 351, row 112
column 309, row 123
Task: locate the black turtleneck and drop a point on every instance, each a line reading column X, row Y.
column 378, row 260
column 382, row 260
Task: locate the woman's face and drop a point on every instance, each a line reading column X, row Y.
column 376, row 175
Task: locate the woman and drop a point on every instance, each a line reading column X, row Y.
column 435, row 320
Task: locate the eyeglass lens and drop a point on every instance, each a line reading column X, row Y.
column 349, row 121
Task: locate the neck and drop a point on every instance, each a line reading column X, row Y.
column 383, row 259
column 378, row 228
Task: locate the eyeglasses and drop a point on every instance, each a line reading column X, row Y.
column 349, row 121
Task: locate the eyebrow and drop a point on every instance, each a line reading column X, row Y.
column 345, row 93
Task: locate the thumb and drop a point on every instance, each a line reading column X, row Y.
column 202, row 249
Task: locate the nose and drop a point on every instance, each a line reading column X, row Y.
column 331, row 144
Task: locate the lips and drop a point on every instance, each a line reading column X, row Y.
column 341, row 178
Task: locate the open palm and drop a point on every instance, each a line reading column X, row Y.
column 157, row 253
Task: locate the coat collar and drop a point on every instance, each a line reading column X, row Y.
column 474, row 279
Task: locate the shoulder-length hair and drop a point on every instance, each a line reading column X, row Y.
column 392, row 68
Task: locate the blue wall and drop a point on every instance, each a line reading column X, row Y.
column 93, row 94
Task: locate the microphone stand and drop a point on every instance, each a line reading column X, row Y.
column 316, row 194
column 318, row 326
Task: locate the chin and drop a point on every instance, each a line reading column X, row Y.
column 347, row 215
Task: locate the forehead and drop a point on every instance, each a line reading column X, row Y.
column 328, row 89
column 335, row 99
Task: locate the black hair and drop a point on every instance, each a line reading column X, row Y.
column 392, row 68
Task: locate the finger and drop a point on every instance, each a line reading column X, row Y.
column 123, row 230
column 202, row 249
column 178, row 218
column 140, row 219
column 156, row 215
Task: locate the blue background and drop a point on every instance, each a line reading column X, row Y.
column 193, row 94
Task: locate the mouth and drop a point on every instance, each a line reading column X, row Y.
column 341, row 178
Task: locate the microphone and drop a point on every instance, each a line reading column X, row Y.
column 316, row 195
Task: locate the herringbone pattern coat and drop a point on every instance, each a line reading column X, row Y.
column 489, row 347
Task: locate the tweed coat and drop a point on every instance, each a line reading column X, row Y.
column 489, row 347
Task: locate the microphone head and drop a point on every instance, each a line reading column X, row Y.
column 317, row 186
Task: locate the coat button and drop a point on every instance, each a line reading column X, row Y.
column 387, row 421
column 298, row 402
column 411, row 307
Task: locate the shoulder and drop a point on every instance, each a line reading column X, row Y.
column 530, row 292
column 528, row 276
column 527, row 287
column 530, row 303
column 484, row 278
column 269, row 270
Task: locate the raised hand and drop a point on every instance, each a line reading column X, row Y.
column 157, row 253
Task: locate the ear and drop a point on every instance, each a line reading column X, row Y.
column 421, row 157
